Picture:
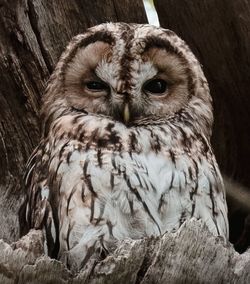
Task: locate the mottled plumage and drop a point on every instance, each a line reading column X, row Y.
column 125, row 150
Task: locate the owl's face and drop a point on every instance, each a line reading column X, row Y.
column 128, row 73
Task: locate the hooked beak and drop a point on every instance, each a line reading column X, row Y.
column 126, row 113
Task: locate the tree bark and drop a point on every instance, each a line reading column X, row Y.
column 33, row 34
column 173, row 258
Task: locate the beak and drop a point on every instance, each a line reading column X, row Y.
column 126, row 113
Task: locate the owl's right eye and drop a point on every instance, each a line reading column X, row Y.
column 97, row 86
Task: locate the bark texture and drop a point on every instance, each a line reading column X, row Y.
column 33, row 34
column 218, row 32
column 170, row 259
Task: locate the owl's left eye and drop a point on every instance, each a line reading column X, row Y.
column 97, row 86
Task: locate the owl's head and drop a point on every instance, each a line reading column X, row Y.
column 129, row 72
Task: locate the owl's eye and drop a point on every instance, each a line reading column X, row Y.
column 97, row 86
column 155, row 86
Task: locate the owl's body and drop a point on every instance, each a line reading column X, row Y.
column 125, row 151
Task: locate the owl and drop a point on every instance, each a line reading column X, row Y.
column 125, row 148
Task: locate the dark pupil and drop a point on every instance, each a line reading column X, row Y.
column 96, row 86
column 157, row 86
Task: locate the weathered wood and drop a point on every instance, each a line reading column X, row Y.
column 218, row 32
column 192, row 255
column 33, row 34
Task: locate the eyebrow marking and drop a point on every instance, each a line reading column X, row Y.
column 157, row 42
column 103, row 36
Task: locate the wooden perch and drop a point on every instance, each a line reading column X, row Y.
column 191, row 255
